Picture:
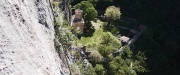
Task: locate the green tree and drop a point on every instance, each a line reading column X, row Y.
column 109, row 40
column 120, row 66
column 112, row 13
column 89, row 12
column 109, row 44
column 127, row 53
column 99, row 69
column 89, row 71
column 127, row 64
column 95, row 57
column 106, row 50
column 140, row 62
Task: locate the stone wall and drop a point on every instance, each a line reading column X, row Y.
column 78, row 26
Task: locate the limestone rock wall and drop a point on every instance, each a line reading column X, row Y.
column 26, row 39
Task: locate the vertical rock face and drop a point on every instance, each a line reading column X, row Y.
column 26, row 39
column 65, row 6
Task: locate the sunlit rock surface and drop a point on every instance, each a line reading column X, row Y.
column 26, row 39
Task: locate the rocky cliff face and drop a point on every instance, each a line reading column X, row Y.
column 26, row 39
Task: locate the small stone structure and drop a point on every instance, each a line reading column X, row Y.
column 78, row 22
column 124, row 39
column 78, row 26
column 78, row 14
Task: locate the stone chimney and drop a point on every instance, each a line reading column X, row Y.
column 78, row 14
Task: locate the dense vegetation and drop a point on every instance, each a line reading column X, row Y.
column 89, row 11
column 112, row 13
column 159, row 44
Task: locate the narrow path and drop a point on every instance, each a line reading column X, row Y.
column 133, row 40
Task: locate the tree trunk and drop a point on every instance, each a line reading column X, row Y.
column 108, row 25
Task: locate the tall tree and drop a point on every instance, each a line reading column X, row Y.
column 89, row 71
column 99, row 69
column 109, row 44
column 89, row 12
column 127, row 64
column 95, row 57
column 112, row 13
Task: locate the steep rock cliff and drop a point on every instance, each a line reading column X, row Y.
column 26, row 39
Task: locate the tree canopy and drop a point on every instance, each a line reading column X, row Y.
column 89, row 71
column 100, row 70
column 125, row 64
column 89, row 12
column 95, row 57
column 112, row 13
column 160, row 43
column 109, row 44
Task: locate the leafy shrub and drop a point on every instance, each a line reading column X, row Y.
column 99, row 69
column 95, row 57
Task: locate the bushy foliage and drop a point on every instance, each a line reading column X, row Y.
column 127, row 53
column 89, row 71
column 112, row 13
column 125, row 64
column 95, row 57
column 109, row 44
column 161, row 43
column 100, row 70
column 140, row 62
column 89, row 12
column 109, row 40
column 121, row 66
column 93, row 45
column 75, row 70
